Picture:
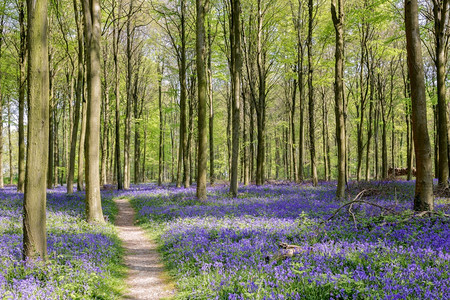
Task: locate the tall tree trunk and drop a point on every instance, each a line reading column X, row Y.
column 292, row 126
column 80, row 177
column 78, row 99
column 34, row 205
column 183, row 155
column 116, row 32
column 11, row 170
column 22, row 87
column 261, row 105
column 129, row 103
column 202, row 153
column 51, row 140
column 236, row 66
column 423, row 199
column 105, row 113
column 2, row 23
column 440, row 11
column 92, row 29
column 138, row 107
column 312, row 139
column 325, row 136
column 337, row 14
column 301, row 135
column 245, row 141
column 160, row 72
column 212, row 177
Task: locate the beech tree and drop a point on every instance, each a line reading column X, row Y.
column 236, row 65
column 337, row 14
column 34, row 205
column 92, row 31
column 202, row 10
column 423, row 199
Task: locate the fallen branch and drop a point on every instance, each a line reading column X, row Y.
column 357, row 200
column 288, row 250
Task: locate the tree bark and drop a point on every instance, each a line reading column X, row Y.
column 92, row 29
column 337, row 14
column 236, row 66
column 2, row 23
column 34, row 205
column 80, row 177
column 160, row 72
column 423, row 199
column 11, row 170
column 212, row 176
column 202, row 153
column 22, row 87
column 440, row 11
column 311, row 104
column 78, row 98
column 116, row 32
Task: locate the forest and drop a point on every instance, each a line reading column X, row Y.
column 224, row 149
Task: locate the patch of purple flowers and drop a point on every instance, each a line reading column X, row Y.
column 80, row 254
column 217, row 248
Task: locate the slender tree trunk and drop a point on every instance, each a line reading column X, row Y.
column 34, row 206
column 105, row 113
column 236, row 66
column 2, row 23
column 183, row 162
column 51, row 141
column 11, row 170
column 22, row 87
column 92, row 29
column 202, row 81
column 261, row 106
column 117, row 153
column 292, row 126
column 311, row 104
column 211, row 109
column 423, row 199
column 80, row 177
column 440, row 11
column 369, row 122
column 160, row 72
column 78, row 99
column 298, row 27
column 127, row 134
column 325, row 136
column 337, row 14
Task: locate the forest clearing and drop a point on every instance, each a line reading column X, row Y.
column 224, row 149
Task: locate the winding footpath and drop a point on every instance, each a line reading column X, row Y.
column 144, row 263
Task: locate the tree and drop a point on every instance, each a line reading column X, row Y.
column 337, row 14
column 202, row 153
column 34, row 205
column 312, row 142
column 117, row 29
column 236, row 66
column 78, row 98
column 423, row 199
column 22, row 87
column 440, row 12
column 160, row 72
column 92, row 31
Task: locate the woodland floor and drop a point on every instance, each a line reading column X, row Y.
column 146, row 271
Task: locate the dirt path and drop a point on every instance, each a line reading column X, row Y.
column 146, row 271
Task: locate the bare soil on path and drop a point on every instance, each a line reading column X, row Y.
column 146, row 277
